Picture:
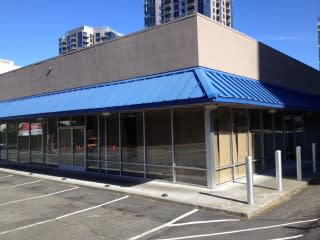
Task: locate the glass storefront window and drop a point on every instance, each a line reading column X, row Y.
column 132, row 148
column 299, row 127
column 109, row 148
column 72, row 121
column 190, row 149
column 158, row 144
column 65, row 122
column 268, row 139
column 255, row 144
column 278, row 131
column 36, row 139
column 92, row 143
column 3, row 141
column 51, row 142
column 92, row 138
column 23, row 142
column 13, row 141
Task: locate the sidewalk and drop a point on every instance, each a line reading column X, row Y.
column 230, row 197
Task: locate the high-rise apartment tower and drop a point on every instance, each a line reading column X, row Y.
column 85, row 36
column 161, row 11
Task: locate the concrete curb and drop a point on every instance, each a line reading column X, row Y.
column 282, row 199
column 138, row 192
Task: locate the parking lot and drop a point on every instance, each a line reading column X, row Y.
column 32, row 208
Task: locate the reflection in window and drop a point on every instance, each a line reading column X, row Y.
column 12, row 141
column 3, row 141
column 299, row 127
column 92, row 143
column 255, row 137
column 74, row 121
column 189, row 139
column 36, row 142
column 109, row 134
column 268, row 140
column 51, row 142
column 23, row 142
column 278, row 131
column 158, row 144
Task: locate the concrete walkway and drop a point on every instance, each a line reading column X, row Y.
column 230, row 197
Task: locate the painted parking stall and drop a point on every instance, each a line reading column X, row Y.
column 42, row 209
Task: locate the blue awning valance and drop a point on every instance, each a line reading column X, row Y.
column 194, row 85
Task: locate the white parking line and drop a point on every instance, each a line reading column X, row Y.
column 287, row 238
column 203, row 222
column 22, row 184
column 241, row 230
column 63, row 216
column 6, row 176
column 164, row 225
column 37, row 197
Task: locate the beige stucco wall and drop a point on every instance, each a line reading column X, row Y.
column 164, row 48
column 222, row 48
column 227, row 50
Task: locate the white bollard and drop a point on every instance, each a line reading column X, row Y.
column 314, row 157
column 278, row 170
column 299, row 167
column 249, row 180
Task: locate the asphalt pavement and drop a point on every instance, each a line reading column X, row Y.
column 32, row 208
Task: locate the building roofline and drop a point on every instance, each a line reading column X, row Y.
column 195, row 15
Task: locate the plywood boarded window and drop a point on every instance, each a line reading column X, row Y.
column 240, row 140
column 222, row 141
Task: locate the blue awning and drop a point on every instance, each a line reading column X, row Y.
column 194, row 85
column 223, row 87
column 180, row 87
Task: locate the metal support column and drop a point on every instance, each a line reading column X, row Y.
column 144, row 145
column 314, row 157
column 174, row 178
column 278, row 170
column 249, row 180
column 299, row 165
column 98, row 142
column 120, row 149
column 210, row 161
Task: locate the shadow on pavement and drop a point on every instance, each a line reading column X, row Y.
column 79, row 175
column 225, row 198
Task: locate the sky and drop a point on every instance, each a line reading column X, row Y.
column 30, row 29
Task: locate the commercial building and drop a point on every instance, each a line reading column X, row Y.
column 161, row 108
column 152, row 13
column 85, row 36
column 161, row 11
column 7, row 65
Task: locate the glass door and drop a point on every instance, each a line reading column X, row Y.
column 72, row 148
column 78, row 148
column 65, row 148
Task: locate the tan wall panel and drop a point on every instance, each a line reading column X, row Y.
column 164, row 48
column 224, row 175
column 224, row 150
column 242, row 146
column 223, row 49
column 227, row 50
column 234, row 148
